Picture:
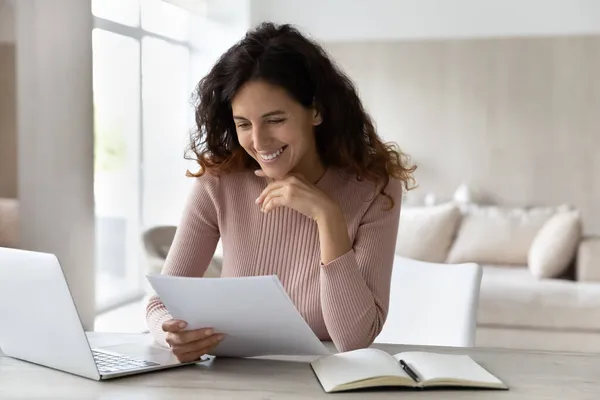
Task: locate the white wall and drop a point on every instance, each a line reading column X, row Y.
column 514, row 118
column 225, row 23
column 356, row 20
column 7, row 21
column 55, row 138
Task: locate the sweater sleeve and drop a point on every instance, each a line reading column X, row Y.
column 355, row 287
column 193, row 246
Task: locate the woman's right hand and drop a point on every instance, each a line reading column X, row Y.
column 189, row 346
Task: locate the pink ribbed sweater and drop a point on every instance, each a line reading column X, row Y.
column 345, row 301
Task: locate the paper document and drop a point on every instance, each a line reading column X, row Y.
column 255, row 313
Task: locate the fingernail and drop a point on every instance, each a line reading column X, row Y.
column 182, row 325
column 208, row 332
column 256, row 201
column 220, row 337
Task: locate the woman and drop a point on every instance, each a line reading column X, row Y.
column 295, row 182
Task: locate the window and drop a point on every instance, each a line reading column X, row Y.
column 125, row 12
column 166, row 127
column 116, row 167
column 165, row 19
column 142, row 86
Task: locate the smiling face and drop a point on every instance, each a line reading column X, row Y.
column 276, row 130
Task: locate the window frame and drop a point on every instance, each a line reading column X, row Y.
column 138, row 33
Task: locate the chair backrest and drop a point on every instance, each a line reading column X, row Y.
column 157, row 240
column 432, row 304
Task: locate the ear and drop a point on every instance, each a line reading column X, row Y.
column 317, row 118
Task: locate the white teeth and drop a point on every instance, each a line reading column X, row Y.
column 268, row 157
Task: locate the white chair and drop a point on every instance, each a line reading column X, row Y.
column 432, row 304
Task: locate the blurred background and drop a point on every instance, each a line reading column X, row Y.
column 495, row 100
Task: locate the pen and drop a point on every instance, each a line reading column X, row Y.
column 409, row 371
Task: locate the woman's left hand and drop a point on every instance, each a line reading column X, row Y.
column 294, row 191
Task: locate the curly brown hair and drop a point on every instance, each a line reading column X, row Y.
column 281, row 55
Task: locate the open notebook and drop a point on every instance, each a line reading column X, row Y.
column 366, row 368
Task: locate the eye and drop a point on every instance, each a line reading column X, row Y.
column 243, row 125
column 276, row 121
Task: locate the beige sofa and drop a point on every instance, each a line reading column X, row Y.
column 541, row 282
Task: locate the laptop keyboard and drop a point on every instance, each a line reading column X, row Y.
column 107, row 362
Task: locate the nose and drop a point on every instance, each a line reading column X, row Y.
column 260, row 137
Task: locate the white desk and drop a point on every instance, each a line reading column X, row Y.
column 530, row 375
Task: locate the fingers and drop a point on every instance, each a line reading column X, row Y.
column 173, row 325
column 195, row 350
column 190, row 357
column 270, row 187
column 273, row 201
column 270, row 195
column 189, row 346
column 180, row 338
column 280, row 193
column 193, row 356
column 289, row 182
column 197, row 345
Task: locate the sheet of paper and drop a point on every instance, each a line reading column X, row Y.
column 255, row 314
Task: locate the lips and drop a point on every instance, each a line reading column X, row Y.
column 267, row 157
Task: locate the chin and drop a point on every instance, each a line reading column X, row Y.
column 275, row 172
column 277, row 169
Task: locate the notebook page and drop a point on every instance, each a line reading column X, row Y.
column 447, row 367
column 355, row 365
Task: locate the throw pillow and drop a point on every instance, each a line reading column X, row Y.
column 555, row 245
column 498, row 235
column 426, row 233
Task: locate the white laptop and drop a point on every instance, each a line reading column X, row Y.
column 39, row 323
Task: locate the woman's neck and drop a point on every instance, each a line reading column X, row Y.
column 312, row 169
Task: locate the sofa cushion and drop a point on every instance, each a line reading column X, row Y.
column 497, row 235
column 555, row 245
column 426, row 233
column 512, row 297
column 588, row 260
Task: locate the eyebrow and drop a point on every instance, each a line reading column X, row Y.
column 269, row 114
